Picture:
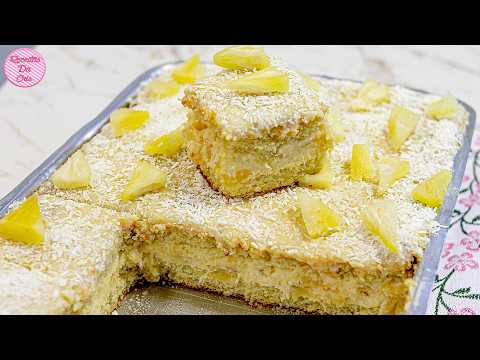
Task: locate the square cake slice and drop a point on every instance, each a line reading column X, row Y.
column 81, row 267
column 248, row 143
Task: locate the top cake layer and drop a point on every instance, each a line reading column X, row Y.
column 271, row 222
column 252, row 116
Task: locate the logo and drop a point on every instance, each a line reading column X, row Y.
column 24, row 67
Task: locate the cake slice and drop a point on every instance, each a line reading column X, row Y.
column 252, row 132
column 82, row 266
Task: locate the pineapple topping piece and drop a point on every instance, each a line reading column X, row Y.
column 334, row 127
column 321, row 180
column 74, row 173
column 167, row 144
column 401, row 125
column 361, row 167
column 241, row 57
column 146, row 178
column 432, row 191
column 389, row 170
column 161, row 89
column 311, row 83
column 318, row 218
column 373, row 92
column 189, row 72
column 444, row 108
column 126, row 120
column 380, row 218
column 24, row 224
column 266, row 81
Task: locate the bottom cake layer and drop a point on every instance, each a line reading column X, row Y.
column 181, row 256
column 92, row 256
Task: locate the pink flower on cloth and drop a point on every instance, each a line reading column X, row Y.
column 472, row 242
column 466, row 178
column 446, row 249
column 471, row 200
column 461, row 262
column 464, row 311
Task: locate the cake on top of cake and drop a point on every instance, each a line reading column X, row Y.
column 255, row 130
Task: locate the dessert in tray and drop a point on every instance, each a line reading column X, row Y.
column 245, row 178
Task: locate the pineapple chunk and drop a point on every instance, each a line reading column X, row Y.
column 75, row 173
column 167, row 144
column 380, row 218
column 242, row 57
column 318, row 218
column 160, row 89
column 358, row 105
column 24, row 224
column 372, row 92
column 432, row 191
column 401, row 125
column 145, row 178
column 266, row 81
column 361, row 167
column 444, row 108
column 125, row 120
column 335, row 130
column 189, row 72
column 311, row 83
column 321, row 180
column 389, row 170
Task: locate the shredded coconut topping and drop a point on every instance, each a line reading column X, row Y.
column 241, row 116
column 271, row 222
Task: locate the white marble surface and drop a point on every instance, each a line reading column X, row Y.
column 81, row 80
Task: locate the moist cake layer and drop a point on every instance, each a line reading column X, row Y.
column 268, row 226
column 180, row 255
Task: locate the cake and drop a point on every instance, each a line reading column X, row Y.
column 97, row 245
column 247, row 144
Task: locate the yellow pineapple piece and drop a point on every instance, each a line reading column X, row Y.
column 266, row 81
column 358, row 105
column 240, row 57
column 189, row 72
column 74, row 173
column 444, row 108
column 381, row 219
column 372, row 92
column 125, row 120
column 161, row 89
column 318, row 218
column 401, row 125
column 312, row 83
column 389, row 170
column 24, row 224
column 432, row 191
column 335, row 129
column 321, row 180
column 167, row 144
column 362, row 167
column 146, row 178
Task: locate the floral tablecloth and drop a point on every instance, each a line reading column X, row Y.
column 456, row 290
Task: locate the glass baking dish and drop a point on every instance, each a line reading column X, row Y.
column 165, row 299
